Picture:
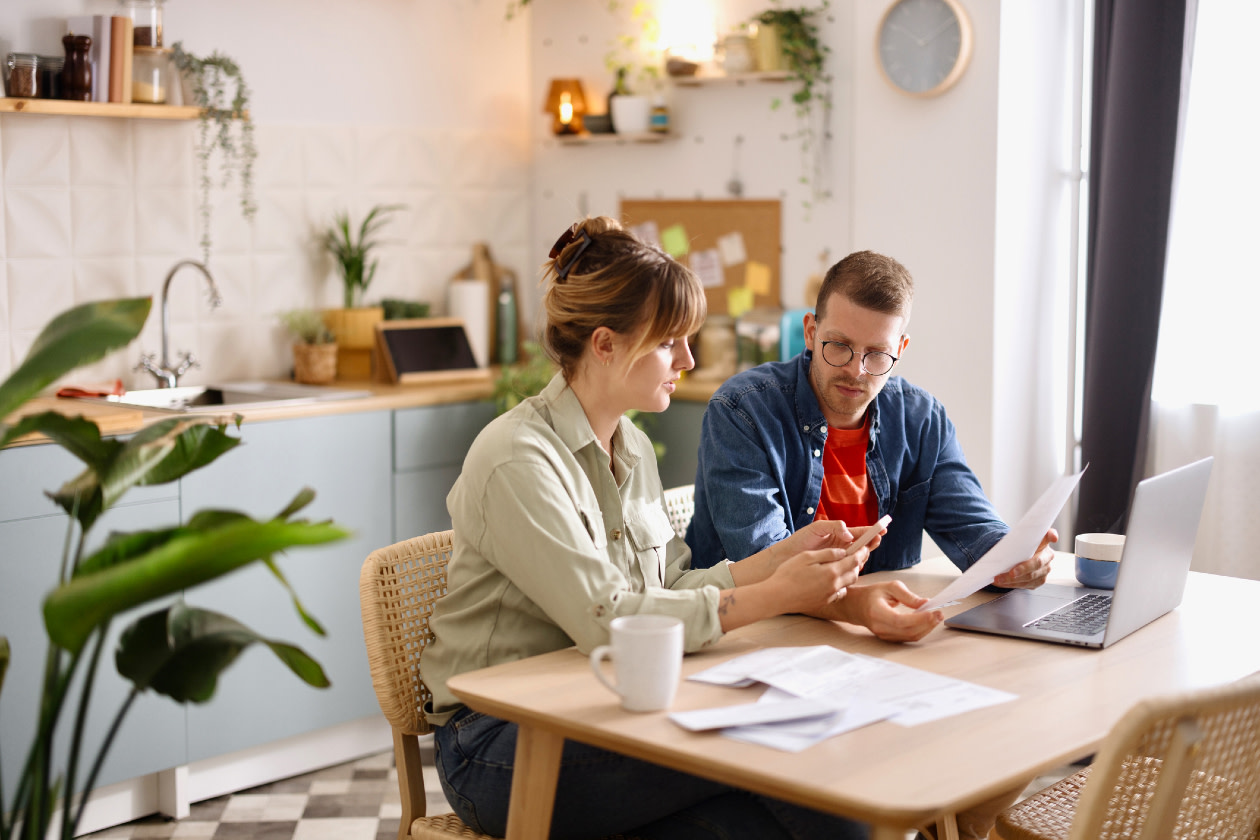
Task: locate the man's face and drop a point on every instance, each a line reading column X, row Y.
column 845, row 392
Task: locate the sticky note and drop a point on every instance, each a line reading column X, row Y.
column 674, row 241
column 757, row 278
column 707, row 264
column 739, row 301
column 732, row 247
column 647, row 232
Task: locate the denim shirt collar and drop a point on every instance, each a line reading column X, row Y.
column 809, row 413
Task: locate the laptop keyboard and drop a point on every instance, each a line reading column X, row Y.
column 1085, row 616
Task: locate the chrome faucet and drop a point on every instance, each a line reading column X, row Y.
column 167, row 376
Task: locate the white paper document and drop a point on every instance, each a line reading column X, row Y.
column 860, row 689
column 1014, row 548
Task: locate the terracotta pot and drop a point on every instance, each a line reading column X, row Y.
column 314, row 364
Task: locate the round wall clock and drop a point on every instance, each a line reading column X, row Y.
column 923, row 46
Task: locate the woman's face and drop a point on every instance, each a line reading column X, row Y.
column 650, row 381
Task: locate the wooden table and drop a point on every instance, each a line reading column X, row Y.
column 893, row 777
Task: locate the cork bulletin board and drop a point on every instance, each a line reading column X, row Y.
column 732, row 244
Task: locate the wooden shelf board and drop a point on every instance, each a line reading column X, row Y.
column 65, row 107
column 622, row 139
column 735, row 79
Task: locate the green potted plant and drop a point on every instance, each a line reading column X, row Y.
column 805, row 56
column 176, row 650
column 353, row 250
column 216, row 86
column 314, row 346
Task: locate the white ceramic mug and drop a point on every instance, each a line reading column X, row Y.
column 646, row 651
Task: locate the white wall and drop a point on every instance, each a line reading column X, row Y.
column 374, row 101
column 438, row 104
column 918, row 179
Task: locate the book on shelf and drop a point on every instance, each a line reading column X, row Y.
column 120, row 53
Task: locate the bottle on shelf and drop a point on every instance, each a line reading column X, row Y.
column 660, row 115
column 76, row 72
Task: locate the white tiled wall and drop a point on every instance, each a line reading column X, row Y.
column 96, row 208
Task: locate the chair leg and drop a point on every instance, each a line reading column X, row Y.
column 410, row 781
column 947, row 827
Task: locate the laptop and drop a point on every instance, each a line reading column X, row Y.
column 1163, row 524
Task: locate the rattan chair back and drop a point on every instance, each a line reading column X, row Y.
column 1181, row 766
column 398, row 586
column 680, row 504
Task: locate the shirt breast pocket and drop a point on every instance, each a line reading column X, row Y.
column 594, row 522
column 649, row 531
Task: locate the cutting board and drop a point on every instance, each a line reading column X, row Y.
column 111, row 419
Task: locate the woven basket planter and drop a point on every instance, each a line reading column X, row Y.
column 315, row 364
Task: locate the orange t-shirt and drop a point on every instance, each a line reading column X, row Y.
column 846, row 493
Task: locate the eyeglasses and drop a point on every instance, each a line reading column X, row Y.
column 874, row 362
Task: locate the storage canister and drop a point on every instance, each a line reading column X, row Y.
column 146, row 21
column 150, row 74
column 50, row 76
column 23, row 74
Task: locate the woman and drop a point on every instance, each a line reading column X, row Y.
column 559, row 528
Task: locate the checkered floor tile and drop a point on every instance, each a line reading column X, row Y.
column 353, row 801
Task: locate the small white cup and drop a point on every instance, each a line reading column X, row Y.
column 646, row 651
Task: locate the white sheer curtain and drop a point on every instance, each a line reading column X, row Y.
column 1207, row 374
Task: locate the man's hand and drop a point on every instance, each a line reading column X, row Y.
column 1032, row 572
column 878, row 608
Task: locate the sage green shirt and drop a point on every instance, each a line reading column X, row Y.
column 551, row 545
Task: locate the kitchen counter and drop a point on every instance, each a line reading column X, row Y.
column 122, row 420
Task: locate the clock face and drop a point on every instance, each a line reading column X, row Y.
column 924, row 45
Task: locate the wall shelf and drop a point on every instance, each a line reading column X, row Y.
column 65, row 107
column 611, row 139
column 734, row 79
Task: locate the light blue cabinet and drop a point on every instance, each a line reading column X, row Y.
column 32, row 536
column 346, row 459
column 429, row 448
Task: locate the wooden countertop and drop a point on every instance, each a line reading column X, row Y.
column 121, row 420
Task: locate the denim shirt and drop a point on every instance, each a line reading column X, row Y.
column 760, row 471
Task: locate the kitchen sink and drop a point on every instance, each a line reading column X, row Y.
column 236, row 395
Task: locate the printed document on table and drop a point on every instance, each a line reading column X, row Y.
column 863, row 690
column 1014, row 548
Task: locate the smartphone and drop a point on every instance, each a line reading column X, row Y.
column 870, row 534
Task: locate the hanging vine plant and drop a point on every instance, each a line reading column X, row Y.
column 805, row 55
column 224, row 126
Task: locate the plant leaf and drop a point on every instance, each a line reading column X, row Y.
column 180, row 651
column 78, row 435
column 197, row 443
column 72, row 610
column 79, row 336
column 4, row 660
column 307, row 618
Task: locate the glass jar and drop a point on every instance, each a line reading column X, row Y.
column 23, row 74
column 146, row 21
column 49, row 72
column 150, row 74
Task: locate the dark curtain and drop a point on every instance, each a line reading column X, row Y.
column 1138, row 47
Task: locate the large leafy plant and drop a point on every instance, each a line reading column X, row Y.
column 176, row 650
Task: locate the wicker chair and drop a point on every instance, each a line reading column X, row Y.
column 1182, row 766
column 680, row 503
column 398, row 586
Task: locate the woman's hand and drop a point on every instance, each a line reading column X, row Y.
column 805, row 582
column 886, row 609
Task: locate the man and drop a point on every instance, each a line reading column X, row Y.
column 832, row 434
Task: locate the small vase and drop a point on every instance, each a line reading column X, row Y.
column 314, row 364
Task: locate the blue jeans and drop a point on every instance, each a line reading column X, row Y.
column 600, row 793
